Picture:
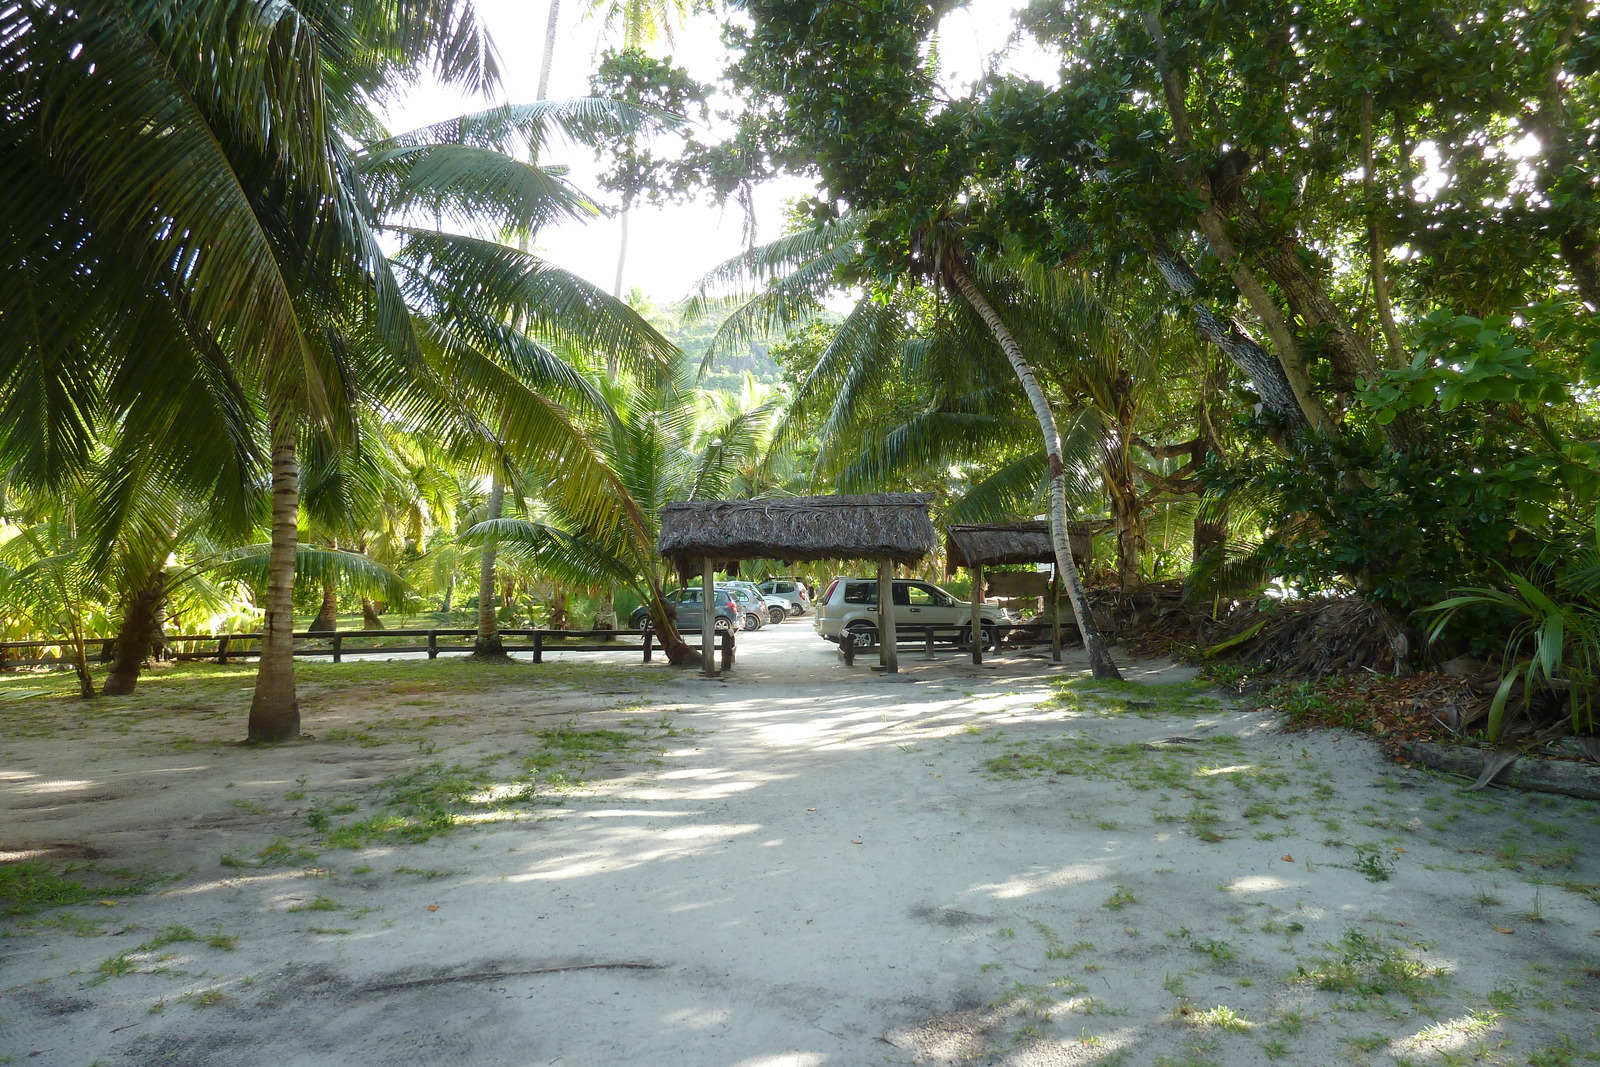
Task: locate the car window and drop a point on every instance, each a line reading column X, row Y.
column 918, row 596
column 861, row 593
column 783, row 587
column 689, row 596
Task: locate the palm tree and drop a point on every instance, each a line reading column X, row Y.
column 863, row 347
column 180, row 174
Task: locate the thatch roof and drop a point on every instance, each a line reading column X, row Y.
column 891, row 526
column 993, row 544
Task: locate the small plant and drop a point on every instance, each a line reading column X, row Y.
column 1121, row 896
column 1373, row 863
column 317, row 903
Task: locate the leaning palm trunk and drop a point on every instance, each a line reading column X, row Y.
column 1100, row 661
column 487, row 645
column 274, row 710
column 141, row 620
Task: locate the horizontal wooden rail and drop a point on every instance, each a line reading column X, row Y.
column 342, row 642
column 953, row 636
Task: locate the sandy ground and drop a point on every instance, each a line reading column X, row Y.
column 803, row 865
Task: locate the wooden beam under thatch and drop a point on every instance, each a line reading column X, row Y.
column 892, row 526
column 996, row 544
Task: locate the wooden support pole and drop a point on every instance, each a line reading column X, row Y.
column 538, row 646
column 1055, row 615
column 649, row 636
column 433, row 644
column 338, row 648
column 977, row 616
column 222, row 650
column 888, row 653
column 708, row 617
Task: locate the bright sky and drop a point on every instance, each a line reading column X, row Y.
column 669, row 247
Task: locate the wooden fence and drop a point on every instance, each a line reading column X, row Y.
column 222, row 648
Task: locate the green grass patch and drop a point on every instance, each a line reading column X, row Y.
column 1371, row 967
column 30, row 886
column 1091, row 695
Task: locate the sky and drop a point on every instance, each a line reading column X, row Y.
column 670, row 247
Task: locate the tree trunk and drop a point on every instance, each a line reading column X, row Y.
column 552, row 24
column 141, row 621
column 1377, row 254
column 1288, row 355
column 1562, row 178
column 327, row 620
column 1211, row 518
column 1260, row 366
column 274, row 709
column 1100, row 660
column 487, row 645
column 605, row 616
column 616, row 285
column 558, row 609
column 369, row 616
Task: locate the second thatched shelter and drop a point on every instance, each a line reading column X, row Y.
column 703, row 536
column 998, row 544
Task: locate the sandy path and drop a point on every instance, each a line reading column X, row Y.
column 823, row 871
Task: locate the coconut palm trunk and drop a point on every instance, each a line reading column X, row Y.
column 275, row 710
column 1100, row 661
column 141, row 621
column 487, row 645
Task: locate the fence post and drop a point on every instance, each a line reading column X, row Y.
column 538, row 646
column 927, row 644
column 847, row 645
column 338, row 646
column 433, row 644
column 649, row 638
column 222, row 650
column 727, row 649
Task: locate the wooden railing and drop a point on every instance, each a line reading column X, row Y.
column 338, row 643
column 949, row 636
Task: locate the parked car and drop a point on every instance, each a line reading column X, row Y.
column 776, row 608
column 848, row 610
column 686, row 602
column 752, row 605
column 791, row 591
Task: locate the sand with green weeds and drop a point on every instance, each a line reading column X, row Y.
column 602, row 863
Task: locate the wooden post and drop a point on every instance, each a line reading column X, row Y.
column 433, row 644
column 728, row 643
column 1055, row 614
column 222, row 650
column 649, row 636
column 888, row 653
column 338, row 645
column 708, row 617
column 977, row 616
column 538, row 646
column 927, row 642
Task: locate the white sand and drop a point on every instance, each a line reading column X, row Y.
column 821, row 872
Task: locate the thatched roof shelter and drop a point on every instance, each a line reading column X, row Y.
column 994, row 544
column 892, row 526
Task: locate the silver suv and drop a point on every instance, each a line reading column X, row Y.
column 790, row 591
column 849, row 610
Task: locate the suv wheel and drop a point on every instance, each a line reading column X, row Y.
column 775, row 615
column 863, row 634
column 752, row 621
column 991, row 640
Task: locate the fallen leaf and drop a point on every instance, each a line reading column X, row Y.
column 433, row 907
column 1399, row 849
column 108, row 903
column 855, row 842
column 1503, row 929
column 1288, row 859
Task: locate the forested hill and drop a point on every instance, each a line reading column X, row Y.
column 727, row 375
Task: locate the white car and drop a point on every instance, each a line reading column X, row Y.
column 848, row 610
